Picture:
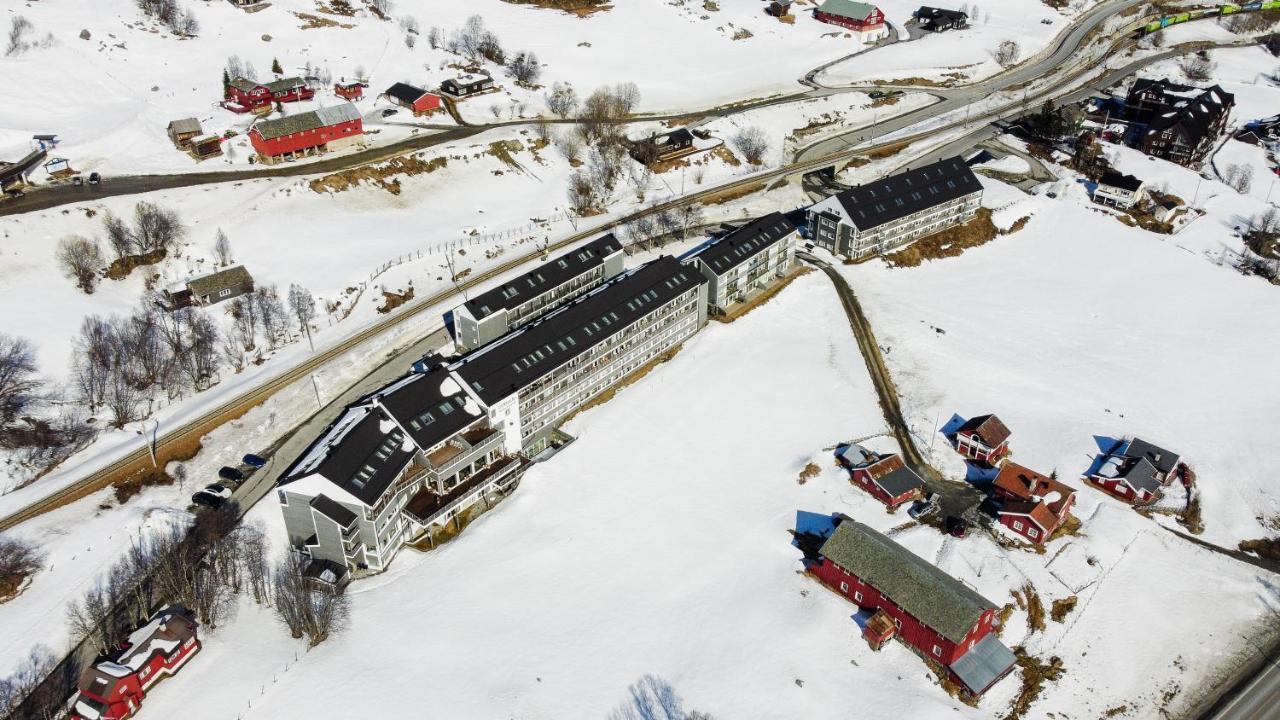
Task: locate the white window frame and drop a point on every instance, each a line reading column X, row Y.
column 1033, row 533
column 1017, row 525
column 937, row 651
column 844, row 587
column 857, row 595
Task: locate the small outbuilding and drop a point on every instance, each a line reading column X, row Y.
column 983, row 438
column 886, row 477
column 182, row 131
column 349, row 91
column 420, row 101
column 665, row 146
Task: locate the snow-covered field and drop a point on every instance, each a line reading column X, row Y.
column 957, row 56
column 132, row 79
column 677, row 562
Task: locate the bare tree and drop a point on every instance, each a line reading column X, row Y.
column 119, row 236
column 1239, row 178
column 1198, row 67
column 1268, row 223
column 542, row 130
column 26, row 679
column 434, row 37
column 81, row 258
column 271, row 314
column 222, row 248
column 571, row 147
column 244, row 316
column 19, row 559
column 641, row 231
column 1007, row 53
column 156, row 228
column 303, row 306
column 18, row 383
column 650, row 698
column 524, row 67
column 307, row 612
column 90, row 617
column 562, row 100
column 582, row 197
column 752, row 143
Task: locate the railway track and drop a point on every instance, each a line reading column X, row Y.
column 183, row 436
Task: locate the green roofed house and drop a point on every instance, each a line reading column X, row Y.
column 866, row 21
column 941, row 617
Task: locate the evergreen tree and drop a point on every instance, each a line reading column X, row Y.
column 275, row 66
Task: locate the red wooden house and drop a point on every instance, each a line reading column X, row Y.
column 416, row 99
column 115, row 689
column 251, row 95
column 942, row 618
column 350, row 91
column 864, row 19
column 886, row 477
column 1030, row 504
column 1136, row 471
column 983, row 438
column 308, row 133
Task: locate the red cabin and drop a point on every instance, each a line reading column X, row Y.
column 416, row 99
column 983, row 438
column 115, row 689
column 308, row 133
column 867, row 20
column 253, row 95
column 942, row 618
column 1136, row 471
column 351, row 91
column 1032, row 505
column 886, row 477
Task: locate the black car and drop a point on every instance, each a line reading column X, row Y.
column 15, row 193
column 94, row 178
column 230, row 473
column 207, row 499
column 956, row 527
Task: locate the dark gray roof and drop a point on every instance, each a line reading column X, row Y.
column 548, row 275
column 213, row 283
column 675, row 137
column 1120, row 180
column 417, row 403
column 1195, row 116
column 1164, row 460
column 926, row 12
column 1140, row 474
column 405, row 92
column 916, row 585
column 523, row 356
column 310, row 120
column 986, row 662
column 364, row 460
column 274, row 86
column 899, row 481
column 25, row 165
column 334, row 510
column 897, row 196
column 745, row 243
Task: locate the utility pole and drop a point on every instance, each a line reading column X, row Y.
column 315, row 386
column 151, row 441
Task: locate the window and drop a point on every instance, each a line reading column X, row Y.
column 937, row 651
column 897, row 623
column 224, row 293
column 1017, row 525
column 857, row 596
column 1033, row 532
column 844, row 587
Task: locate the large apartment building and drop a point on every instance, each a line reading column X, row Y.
column 412, row 454
column 421, row 450
column 536, row 376
column 886, row 214
column 528, row 297
column 745, row 261
column 1182, row 122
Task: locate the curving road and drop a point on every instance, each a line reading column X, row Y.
column 139, row 459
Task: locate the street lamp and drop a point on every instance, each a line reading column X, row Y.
column 315, row 386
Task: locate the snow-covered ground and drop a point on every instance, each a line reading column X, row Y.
column 957, row 56
column 132, row 79
column 677, row 561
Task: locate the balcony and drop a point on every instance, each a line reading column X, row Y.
column 427, row 507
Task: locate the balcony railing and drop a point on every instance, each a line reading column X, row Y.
column 427, row 507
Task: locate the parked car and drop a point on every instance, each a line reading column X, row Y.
column 227, row 472
column 809, row 246
column 253, row 461
column 14, row 193
column 77, row 181
column 94, row 178
column 221, row 491
column 389, row 112
column 926, row 506
column 208, row 499
column 956, row 527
